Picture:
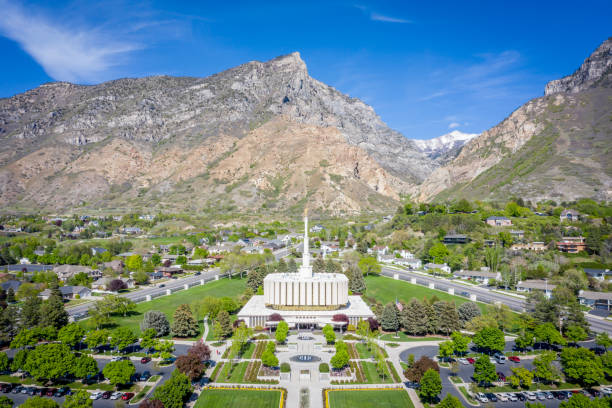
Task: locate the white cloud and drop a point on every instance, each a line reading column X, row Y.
column 388, row 19
column 77, row 54
column 454, row 125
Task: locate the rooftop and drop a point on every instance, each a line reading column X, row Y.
column 317, row 277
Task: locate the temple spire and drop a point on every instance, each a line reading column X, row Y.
column 306, row 269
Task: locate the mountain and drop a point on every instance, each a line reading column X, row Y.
column 553, row 147
column 443, row 149
column 179, row 143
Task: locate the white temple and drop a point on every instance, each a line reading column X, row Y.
column 304, row 299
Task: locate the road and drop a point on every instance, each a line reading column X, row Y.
column 483, row 294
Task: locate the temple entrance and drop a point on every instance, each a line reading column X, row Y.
column 306, row 326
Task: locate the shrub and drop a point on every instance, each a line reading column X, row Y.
column 324, row 368
column 285, row 368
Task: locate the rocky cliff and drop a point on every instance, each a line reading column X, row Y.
column 125, row 141
column 553, row 147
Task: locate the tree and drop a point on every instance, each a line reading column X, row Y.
column 122, row 337
column 282, row 329
column 520, row 377
column 548, row 333
column 4, row 362
column 490, row 339
column 369, row 265
column 10, row 296
column 224, row 324
column 603, row 339
column 450, row 402
column 85, row 366
column 269, row 359
column 184, row 324
column 190, row 365
column 575, row 334
column 24, row 338
column 415, row 372
column 6, row 402
column 581, row 365
column 445, row 350
column 544, row 369
column 30, row 311
column 50, row 361
column 156, row 320
column 116, row 285
column 356, row 282
column 340, row 359
column 133, row 262
column 447, row 318
column 52, row 312
column 71, row 334
column 79, row 399
column 174, row 392
column 19, row 360
column 390, row 318
column 484, row 370
column 431, row 385
column 414, row 318
column 328, row 332
column 141, row 277
column 438, row 253
column 460, row 343
column 467, row 311
column 363, row 329
column 151, row 403
column 119, row 372
column 524, row 340
column 200, row 351
column 97, row 338
column 39, row 402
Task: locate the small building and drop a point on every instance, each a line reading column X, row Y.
column 456, row 239
column 569, row 216
column 529, row 286
column 484, row 277
column 132, row 231
column 68, row 292
column 117, row 265
column 496, row 221
column 102, row 283
column 98, row 251
column 156, row 275
column 596, row 300
column 65, row 272
column 11, row 284
column 169, row 271
column 532, row 246
column 443, row 267
column 517, row 234
column 379, row 249
column 571, row 245
column 409, row 263
column 599, row 274
column 317, row 228
column 327, row 247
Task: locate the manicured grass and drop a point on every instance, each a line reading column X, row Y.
column 467, row 395
column 403, row 337
column 371, row 375
column 456, row 379
column 363, row 351
column 168, row 304
column 369, row 399
column 387, row 290
column 211, row 398
column 235, row 375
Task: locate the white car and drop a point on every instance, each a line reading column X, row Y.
column 481, row 397
column 502, row 397
column 530, row 395
column 116, row 395
column 116, row 358
column 96, row 395
column 464, row 361
column 512, row 397
column 492, row 359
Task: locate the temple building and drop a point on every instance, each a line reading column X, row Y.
column 304, row 299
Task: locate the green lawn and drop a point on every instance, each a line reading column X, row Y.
column 403, row 337
column 387, row 290
column 211, row 398
column 168, row 304
column 371, row 375
column 235, row 375
column 369, row 399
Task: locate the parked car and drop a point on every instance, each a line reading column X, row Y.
column 162, row 286
column 470, row 360
column 106, row 394
column 32, row 391
column 501, row 376
column 95, row 395
column 560, row 395
column 145, row 360
column 530, row 396
column 514, row 359
column 492, row 397
column 502, row 397
column 520, row 396
column 18, row 389
column 595, row 393
column 62, row 391
column 541, row 395
column 116, row 395
column 512, row 397
column 500, row 358
column 127, row 396
column 549, row 395
column 117, row 358
column 145, row 376
column 198, row 273
column 481, row 397
column 6, row 388
column 51, row 392
column 463, row 361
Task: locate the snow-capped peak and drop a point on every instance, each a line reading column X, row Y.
column 445, row 142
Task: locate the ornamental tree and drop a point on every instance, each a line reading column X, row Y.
column 431, row 385
column 184, row 325
column 328, row 332
column 39, row 402
column 79, row 399
column 369, row 265
column 581, row 365
column 224, row 326
column 97, row 338
column 544, row 369
column 340, row 359
column 116, row 285
column 200, row 350
column 603, row 339
column 390, row 318
column 548, row 333
column 415, row 372
column 190, row 365
column 445, row 350
column 282, row 329
column 484, row 370
column 122, row 337
column 119, row 372
column 521, row 377
column 50, row 361
column 154, row 319
column 4, row 362
column 460, row 343
column 490, row 339
column 71, row 334
column 450, row 401
column 174, row 392
column 85, row 366
column 575, row 334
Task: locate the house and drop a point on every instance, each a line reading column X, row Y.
column 484, row 277
column 102, row 283
column 387, row 218
column 327, row 247
column 156, row 275
column 146, row 217
column 599, row 274
column 517, row 234
column 388, row 259
column 571, row 245
column 164, row 249
column 26, row 268
column 529, row 286
column 443, row 267
column 317, row 228
column 456, row 239
column 404, row 253
column 132, row 230
column 409, row 263
column 169, row 271
column 251, row 249
column 117, row 217
column 596, row 300
column 68, row 292
column 65, row 272
column 532, row 246
column 117, row 265
column 379, row 249
column 496, row 221
column 569, row 216
column 288, row 238
column 11, row 284
column 98, row 251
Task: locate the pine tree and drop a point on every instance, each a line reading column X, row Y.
column 447, row 318
column 318, row 266
column 291, row 265
column 282, row 266
column 184, row 325
column 225, row 324
column 414, row 318
column 390, row 318
column 431, row 321
column 356, row 282
column 52, row 312
column 10, row 296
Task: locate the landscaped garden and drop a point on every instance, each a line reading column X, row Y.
column 235, row 398
column 368, row 398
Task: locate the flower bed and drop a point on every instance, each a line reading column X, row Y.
column 352, row 351
column 265, row 371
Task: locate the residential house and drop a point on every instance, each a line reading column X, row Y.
column 599, row 274
column 529, row 286
column 379, row 250
column 98, row 251
column 596, row 300
column 65, row 272
column 532, row 246
column 132, row 230
column 156, row 275
column 404, row 253
column 517, row 234
column 443, row 267
column 11, row 284
column 317, row 228
column 496, row 221
column 117, row 265
column 571, row 245
column 484, row 277
column 456, row 239
column 68, row 292
column 327, row 247
column 169, row 271
column 146, row 217
column 569, row 216
column 251, row 249
column 489, row 243
column 102, row 283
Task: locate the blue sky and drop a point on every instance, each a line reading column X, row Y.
column 426, row 67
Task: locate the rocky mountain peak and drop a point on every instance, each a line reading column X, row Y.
column 289, row 62
column 595, row 67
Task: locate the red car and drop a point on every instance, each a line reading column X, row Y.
column 501, row 376
column 51, row 392
column 470, row 360
column 514, row 359
column 145, row 360
column 127, row 396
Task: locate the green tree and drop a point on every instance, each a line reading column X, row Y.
column 544, row 369
column 460, row 343
column 19, row 360
column 39, row 402
column 548, row 333
column 71, row 334
column 184, row 324
column 97, row 338
column 122, row 337
column 580, row 401
column 484, row 370
column 581, row 365
column 467, row 311
column 79, row 399
column 328, row 332
column 414, row 318
column 225, row 324
column 450, row 402
column 269, row 359
column 4, row 362
column 445, row 350
column 174, row 392
column 603, row 339
column 447, row 319
column 133, row 262
column 156, row 320
column 390, row 318
column 340, row 359
column 52, row 312
column 492, row 258
column 119, row 372
column 438, row 252
column 6, row 402
column 520, row 377
column 50, row 361
column 282, row 329
column 524, row 340
column 369, row 265
column 490, row 339
column 30, row 311
column 431, row 385
column 356, row 282
column 575, row 334
column 85, row 366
